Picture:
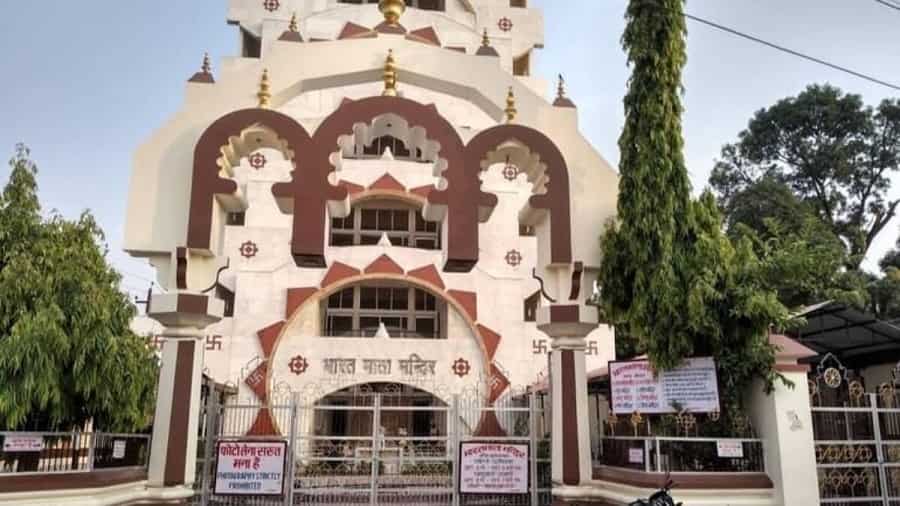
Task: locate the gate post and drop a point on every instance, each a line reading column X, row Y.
column 783, row 419
column 454, row 449
column 173, row 456
column 532, row 434
column 210, row 432
column 376, row 448
column 568, row 326
column 292, row 442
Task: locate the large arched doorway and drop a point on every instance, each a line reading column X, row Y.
column 406, row 411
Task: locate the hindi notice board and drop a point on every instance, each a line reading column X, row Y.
column 119, row 449
column 16, row 444
column 250, row 468
column 493, row 468
column 635, row 387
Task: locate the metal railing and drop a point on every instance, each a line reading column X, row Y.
column 684, row 454
column 365, row 465
column 71, row 452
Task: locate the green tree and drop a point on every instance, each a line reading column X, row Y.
column 833, row 152
column 67, row 354
column 641, row 287
column 671, row 277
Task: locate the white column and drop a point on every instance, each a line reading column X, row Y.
column 784, row 421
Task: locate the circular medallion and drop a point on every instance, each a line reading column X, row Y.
column 505, row 24
column 257, row 161
column 298, row 365
column 271, row 5
column 461, row 368
column 249, row 249
column 832, row 377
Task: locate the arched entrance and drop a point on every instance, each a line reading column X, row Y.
column 405, row 411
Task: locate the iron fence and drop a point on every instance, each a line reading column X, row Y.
column 684, row 454
column 377, row 449
column 71, row 452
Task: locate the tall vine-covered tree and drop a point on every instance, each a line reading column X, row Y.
column 67, row 354
column 641, row 288
column 672, row 280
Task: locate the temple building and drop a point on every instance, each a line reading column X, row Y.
column 386, row 198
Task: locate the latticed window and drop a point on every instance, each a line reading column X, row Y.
column 405, row 311
column 369, row 222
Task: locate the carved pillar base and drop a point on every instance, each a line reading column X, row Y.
column 173, row 455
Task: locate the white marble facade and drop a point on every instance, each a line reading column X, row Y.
column 309, row 81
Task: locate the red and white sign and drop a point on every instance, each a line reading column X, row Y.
column 636, row 388
column 730, row 449
column 15, row 444
column 250, row 467
column 493, row 468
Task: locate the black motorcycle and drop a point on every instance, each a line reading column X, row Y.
column 661, row 498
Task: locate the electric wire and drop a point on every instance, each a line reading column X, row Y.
column 792, row 52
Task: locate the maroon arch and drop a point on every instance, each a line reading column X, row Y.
column 206, row 182
column 463, row 196
column 555, row 200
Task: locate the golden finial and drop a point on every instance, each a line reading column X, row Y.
column 293, row 26
column 511, row 110
column 390, row 75
column 264, row 94
column 485, row 40
column 206, row 68
column 392, row 10
column 561, row 87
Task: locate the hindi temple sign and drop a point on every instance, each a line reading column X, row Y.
column 412, row 366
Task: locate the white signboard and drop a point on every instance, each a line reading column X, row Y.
column 635, row 387
column 118, row 449
column 13, row 444
column 730, row 449
column 250, row 467
column 493, row 468
column 635, row 455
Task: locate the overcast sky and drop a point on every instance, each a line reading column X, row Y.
column 85, row 82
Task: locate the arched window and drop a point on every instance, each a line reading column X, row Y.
column 381, row 144
column 407, row 312
column 369, row 221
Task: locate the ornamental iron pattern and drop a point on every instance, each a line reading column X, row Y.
column 857, row 436
column 379, row 443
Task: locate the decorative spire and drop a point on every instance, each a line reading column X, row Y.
column 511, row 110
column 390, row 75
column 264, row 94
column 392, row 10
column 486, row 49
column 205, row 74
column 561, row 99
column 292, row 34
column 206, row 67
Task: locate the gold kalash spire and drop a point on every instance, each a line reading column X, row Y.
column 293, row 26
column 390, row 75
column 264, row 95
column 511, row 110
column 392, row 10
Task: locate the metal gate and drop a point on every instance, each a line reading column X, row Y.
column 348, row 450
column 857, row 437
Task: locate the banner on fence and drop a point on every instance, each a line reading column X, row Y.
column 636, row 388
column 250, row 468
column 15, row 444
column 493, row 468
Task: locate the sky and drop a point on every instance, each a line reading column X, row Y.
column 86, row 82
